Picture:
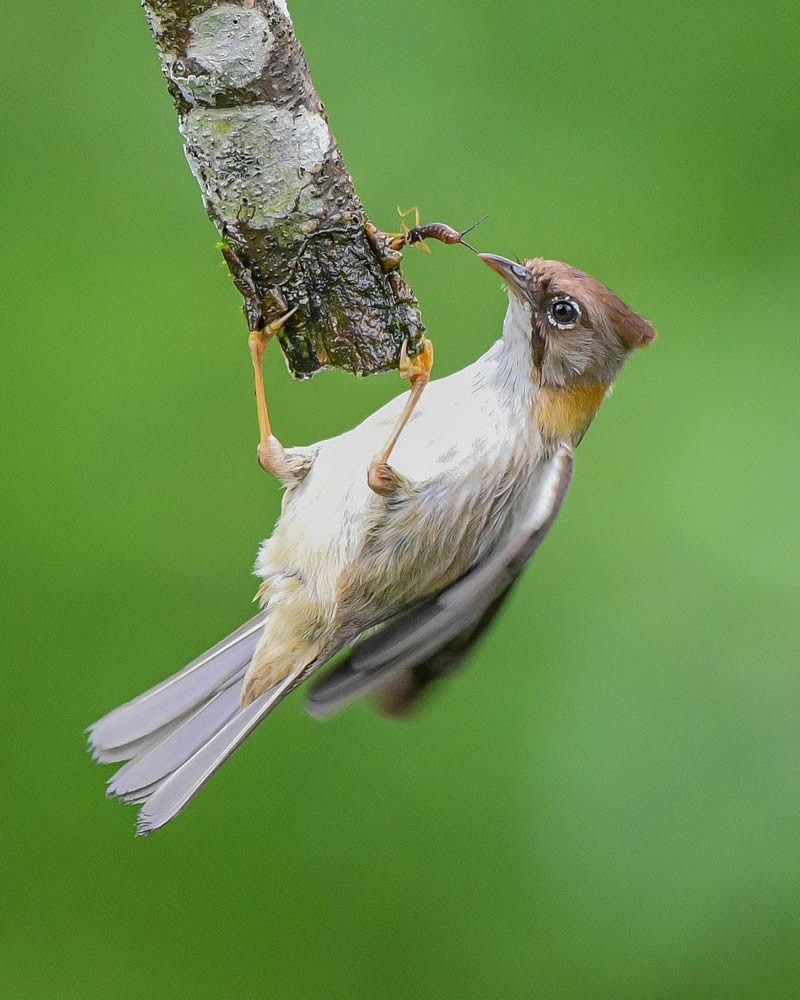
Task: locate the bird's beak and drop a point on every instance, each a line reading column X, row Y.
column 516, row 276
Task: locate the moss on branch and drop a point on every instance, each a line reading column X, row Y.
column 294, row 232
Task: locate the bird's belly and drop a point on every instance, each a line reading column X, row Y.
column 427, row 541
column 359, row 553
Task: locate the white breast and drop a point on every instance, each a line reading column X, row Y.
column 468, row 450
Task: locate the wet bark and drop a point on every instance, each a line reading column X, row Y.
column 294, row 232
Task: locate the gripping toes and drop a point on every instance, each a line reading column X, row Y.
column 418, row 367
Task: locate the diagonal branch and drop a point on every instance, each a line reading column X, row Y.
column 294, row 232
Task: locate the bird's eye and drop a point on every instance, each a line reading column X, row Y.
column 563, row 313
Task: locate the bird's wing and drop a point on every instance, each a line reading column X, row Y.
column 433, row 636
column 398, row 695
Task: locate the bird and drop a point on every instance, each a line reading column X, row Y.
column 394, row 574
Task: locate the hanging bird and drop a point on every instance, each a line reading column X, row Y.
column 403, row 564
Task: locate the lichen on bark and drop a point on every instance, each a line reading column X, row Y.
column 294, row 232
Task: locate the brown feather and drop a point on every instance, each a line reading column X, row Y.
column 554, row 276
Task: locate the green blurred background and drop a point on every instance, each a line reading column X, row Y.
column 606, row 803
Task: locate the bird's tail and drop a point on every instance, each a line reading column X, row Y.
column 177, row 734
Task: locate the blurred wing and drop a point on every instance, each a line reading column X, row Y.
column 434, row 636
column 399, row 694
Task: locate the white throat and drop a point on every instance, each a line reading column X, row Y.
column 511, row 358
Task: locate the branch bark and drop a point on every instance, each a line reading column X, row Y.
column 294, row 232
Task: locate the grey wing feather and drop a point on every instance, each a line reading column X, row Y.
column 466, row 606
column 400, row 692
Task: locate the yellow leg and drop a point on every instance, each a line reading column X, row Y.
column 381, row 477
column 271, row 456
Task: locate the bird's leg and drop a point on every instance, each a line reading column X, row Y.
column 381, row 477
column 272, row 456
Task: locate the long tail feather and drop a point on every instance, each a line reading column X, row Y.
column 176, row 735
column 175, row 791
column 119, row 734
column 177, row 747
column 114, row 755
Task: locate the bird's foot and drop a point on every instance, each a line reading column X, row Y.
column 384, row 480
column 416, row 368
column 290, row 465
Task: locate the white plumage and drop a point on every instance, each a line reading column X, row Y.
column 341, row 556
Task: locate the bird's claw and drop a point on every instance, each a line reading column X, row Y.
column 381, row 478
column 273, row 327
column 418, row 367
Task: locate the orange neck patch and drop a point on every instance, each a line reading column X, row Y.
column 564, row 414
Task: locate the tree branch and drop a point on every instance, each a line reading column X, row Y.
column 274, row 183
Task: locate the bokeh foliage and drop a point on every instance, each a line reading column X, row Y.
column 606, row 803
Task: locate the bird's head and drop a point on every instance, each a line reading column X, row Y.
column 580, row 332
